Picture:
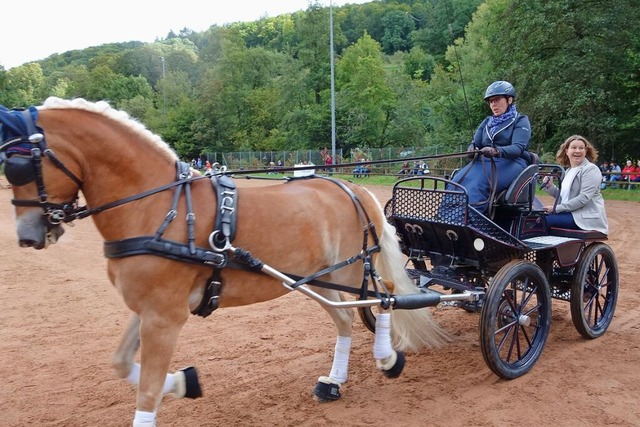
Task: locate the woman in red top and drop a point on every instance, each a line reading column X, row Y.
column 629, row 172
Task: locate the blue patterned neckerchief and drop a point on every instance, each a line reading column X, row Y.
column 496, row 122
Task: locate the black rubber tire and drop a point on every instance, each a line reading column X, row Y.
column 515, row 319
column 594, row 290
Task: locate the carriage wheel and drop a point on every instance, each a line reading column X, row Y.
column 366, row 313
column 594, row 291
column 515, row 319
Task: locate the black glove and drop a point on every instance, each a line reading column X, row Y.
column 489, row 152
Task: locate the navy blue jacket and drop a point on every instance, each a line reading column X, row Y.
column 512, row 140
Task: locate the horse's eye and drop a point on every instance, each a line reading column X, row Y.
column 19, row 170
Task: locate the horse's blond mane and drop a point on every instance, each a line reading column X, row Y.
column 103, row 107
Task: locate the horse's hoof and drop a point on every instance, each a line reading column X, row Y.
column 193, row 390
column 396, row 369
column 326, row 390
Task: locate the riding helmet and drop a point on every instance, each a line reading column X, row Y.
column 498, row 88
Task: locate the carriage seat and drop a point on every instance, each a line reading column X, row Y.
column 522, row 189
column 577, row 234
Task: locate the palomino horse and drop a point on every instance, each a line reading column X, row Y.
column 236, row 246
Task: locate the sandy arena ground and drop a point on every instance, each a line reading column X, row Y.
column 60, row 321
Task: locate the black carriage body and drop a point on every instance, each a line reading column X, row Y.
column 465, row 248
column 507, row 266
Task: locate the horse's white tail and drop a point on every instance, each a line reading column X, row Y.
column 410, row 329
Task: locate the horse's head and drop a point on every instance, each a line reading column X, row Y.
column 45, row 190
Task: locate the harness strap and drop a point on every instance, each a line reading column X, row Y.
column 210, row 299
column 91, row 211
column 327, row 270
column 149, row 245
column 248, row 262
column 226, row 218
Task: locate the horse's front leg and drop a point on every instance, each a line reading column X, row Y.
column 182, row 383
column 159, row 333
column 328, row 387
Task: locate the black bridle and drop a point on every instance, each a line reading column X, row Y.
column 21, row 169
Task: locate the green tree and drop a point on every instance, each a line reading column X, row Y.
column 584, row 79
column 365, row 99
column 418, row 64
column 239, row 96
column 23, row 86
column 442, row 23
column 398, row 25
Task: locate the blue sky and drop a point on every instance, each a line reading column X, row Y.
column 35, row 29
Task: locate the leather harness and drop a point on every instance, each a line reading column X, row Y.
column 34, row 146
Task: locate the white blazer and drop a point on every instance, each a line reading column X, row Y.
column 585, row 201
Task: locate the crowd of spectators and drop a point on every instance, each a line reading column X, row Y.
column 615, row 177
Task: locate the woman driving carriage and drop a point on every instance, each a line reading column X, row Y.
column 580, row 205
column 499, row 149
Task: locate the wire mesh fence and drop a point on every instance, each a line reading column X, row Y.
column 392, row 160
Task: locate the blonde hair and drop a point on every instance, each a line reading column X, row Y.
column 561, row 155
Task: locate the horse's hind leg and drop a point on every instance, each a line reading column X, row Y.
column 122, row 360
column 328, row 387
column 389, row 361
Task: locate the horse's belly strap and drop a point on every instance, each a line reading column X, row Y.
column 147, row 245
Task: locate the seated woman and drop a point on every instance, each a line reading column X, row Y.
column 580, row 205
column 499, row 148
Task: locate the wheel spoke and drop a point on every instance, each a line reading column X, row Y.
column 512, row 334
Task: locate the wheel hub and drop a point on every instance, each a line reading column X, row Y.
column 524, row 320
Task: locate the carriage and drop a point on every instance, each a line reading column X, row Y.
column 179, row 243
column 508, row 267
